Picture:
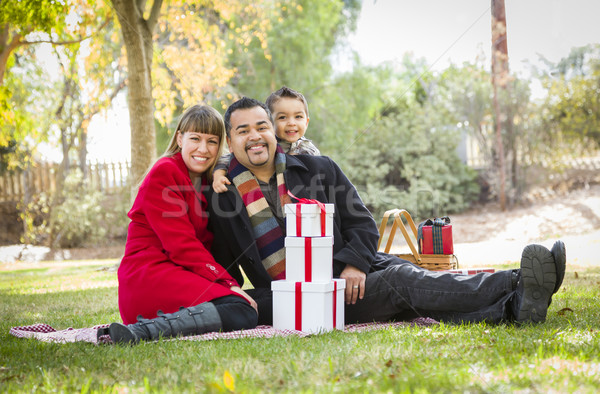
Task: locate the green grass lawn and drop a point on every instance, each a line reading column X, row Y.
column 561, row 355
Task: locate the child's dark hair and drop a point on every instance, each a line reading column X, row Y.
column 243, row 103
column 286, row 92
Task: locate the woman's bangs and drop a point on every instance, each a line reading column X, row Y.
column 204, row 125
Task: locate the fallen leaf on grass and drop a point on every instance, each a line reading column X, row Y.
column 564, row 310
column 228, row 381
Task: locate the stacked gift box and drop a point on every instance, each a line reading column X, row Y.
column 309, row 299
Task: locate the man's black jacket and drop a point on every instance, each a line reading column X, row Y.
column 314, row 177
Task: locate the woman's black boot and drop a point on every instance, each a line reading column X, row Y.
column 194, row 320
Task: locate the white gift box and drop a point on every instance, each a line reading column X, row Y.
column 309, row 259
column 311, row 220
column 308, row 306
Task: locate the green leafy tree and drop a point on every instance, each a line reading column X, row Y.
column 408, row 160
column 216, row 52
column 346, row 107
column 572, row 106
column 24, row 25
column 41, row 105
column 407, row 157
column 91, row 78
column 28, row 117
column 17, row 20
column 295, row 49
column 466, row 94
column 20, row 18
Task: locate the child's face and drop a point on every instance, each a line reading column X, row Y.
column 290, row 119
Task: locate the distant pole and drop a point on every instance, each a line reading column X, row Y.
column 499, row 78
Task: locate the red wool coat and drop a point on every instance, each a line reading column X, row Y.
column 167, row 262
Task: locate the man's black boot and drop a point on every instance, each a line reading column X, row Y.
column 559, row 252
column 536, row 285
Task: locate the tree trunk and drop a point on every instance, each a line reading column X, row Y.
column 499, row 79
column 63, row 118
column 83, row 134
column 137, row 36
column 66, row 146
column 510, row 132
column 25, row 210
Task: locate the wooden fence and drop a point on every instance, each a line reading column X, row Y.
column 42, row 177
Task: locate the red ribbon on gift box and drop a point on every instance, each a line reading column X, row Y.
column 334, row 303
column 299, row 215
column 308, row 259
column 298, row 294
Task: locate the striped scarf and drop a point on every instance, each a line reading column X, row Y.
column 267, row 233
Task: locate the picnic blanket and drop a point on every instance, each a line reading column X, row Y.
column 46, row 333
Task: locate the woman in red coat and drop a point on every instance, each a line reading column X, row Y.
column 167, row 263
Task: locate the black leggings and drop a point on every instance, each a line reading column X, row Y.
column 264, row 301
column 236, row 313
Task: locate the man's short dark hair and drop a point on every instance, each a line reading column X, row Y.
column 243, row 103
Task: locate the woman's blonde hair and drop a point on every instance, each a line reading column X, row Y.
column 198, row 119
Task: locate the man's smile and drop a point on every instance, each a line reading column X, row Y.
column 256, row 146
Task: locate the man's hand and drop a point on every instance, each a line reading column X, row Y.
column 220, row 180
column 241, row 292
column 355, row 283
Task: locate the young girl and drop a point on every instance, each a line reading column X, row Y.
column 167, row 263
column 289, row 110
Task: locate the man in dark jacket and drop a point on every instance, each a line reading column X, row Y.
column 249, row 231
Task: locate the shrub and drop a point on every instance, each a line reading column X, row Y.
column 35, row 216
column 407, row 160
column 79, row 215
column 76, row 216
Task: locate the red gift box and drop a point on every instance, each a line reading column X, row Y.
column 427, row 237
